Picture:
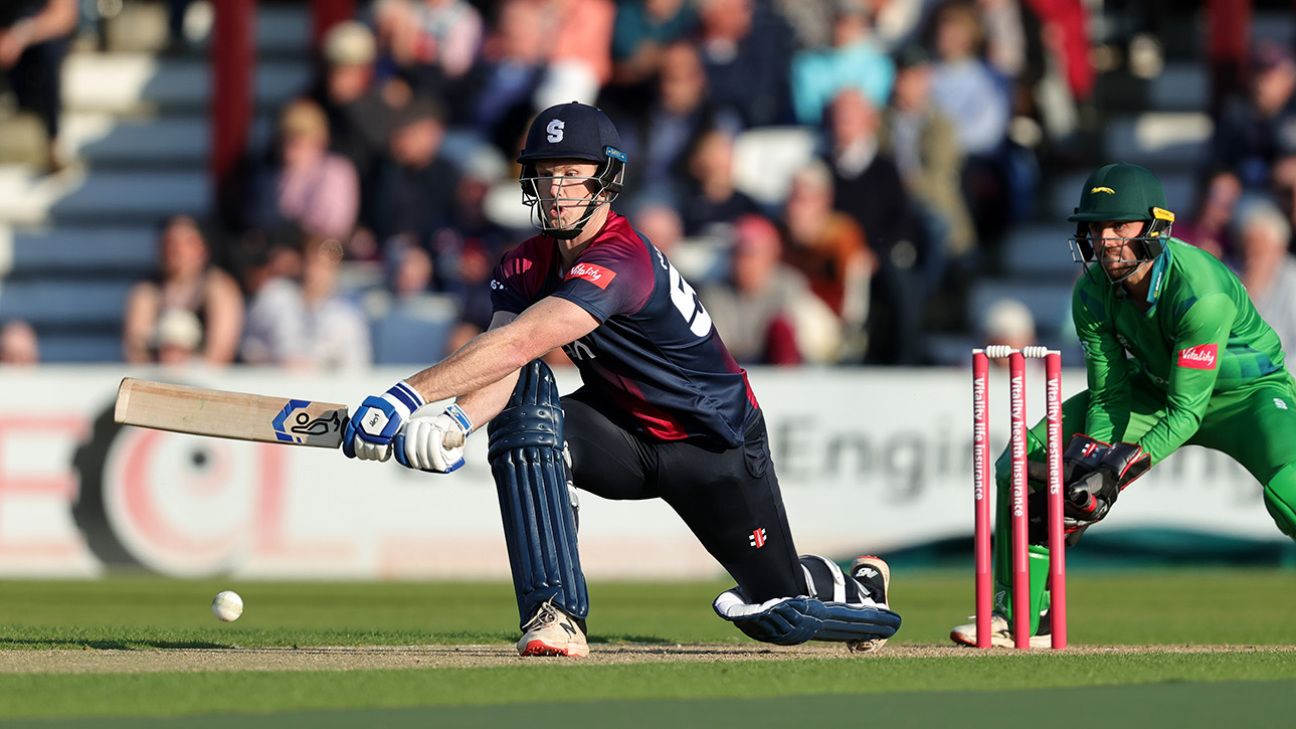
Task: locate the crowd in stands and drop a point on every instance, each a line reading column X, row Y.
column 929, row 122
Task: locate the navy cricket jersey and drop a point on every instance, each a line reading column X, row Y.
column 655, row 353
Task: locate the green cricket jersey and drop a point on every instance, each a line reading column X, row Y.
column 1201, row 336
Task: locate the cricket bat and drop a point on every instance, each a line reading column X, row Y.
column 224, row 414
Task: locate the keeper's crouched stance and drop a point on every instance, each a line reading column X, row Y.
column 1175, row 354
column 664, row 412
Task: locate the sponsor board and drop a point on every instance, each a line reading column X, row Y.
column 869, row 460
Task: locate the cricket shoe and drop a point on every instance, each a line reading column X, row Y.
column 1001, row 634
column 873, row 574
column 552, row 632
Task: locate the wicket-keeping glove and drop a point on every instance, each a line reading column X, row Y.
column 1082, row 457
column 434, row 442
column 369, row 432
column 1090, row 497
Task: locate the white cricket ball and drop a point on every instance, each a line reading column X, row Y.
column 227, row 606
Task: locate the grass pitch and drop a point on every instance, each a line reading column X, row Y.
column 1177, row 648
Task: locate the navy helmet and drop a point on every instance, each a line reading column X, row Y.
column 572, row 131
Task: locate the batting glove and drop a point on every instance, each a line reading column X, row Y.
column 370, row 431
column 434, row 443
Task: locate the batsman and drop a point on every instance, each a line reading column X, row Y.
column 1175, row 354
column 665, row 412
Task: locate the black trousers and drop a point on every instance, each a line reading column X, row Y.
column 36, row 82
column 729, row 498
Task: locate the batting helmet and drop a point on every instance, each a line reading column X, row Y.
column 572, row 131
column 1123, row 192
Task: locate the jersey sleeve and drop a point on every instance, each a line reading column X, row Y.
column 507, row 285
column 1200, row 336
column 605, row 283
column 1106, row 368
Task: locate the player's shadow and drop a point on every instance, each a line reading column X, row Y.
column 108, row 645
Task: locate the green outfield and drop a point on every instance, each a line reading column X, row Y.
column 1164, row 648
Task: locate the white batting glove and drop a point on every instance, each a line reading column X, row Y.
column 434, row 442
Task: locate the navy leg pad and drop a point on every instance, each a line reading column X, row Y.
column 526, row 457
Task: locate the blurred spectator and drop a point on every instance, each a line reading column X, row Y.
column 431, row 43
column 658, row 141
column 964, row 87
column 359, row 117
column 830, row 249
column 896, row 22
column 1268, row 270
column 711, row 198
column 854, row 61
column 925, row 147
column 511, row 70
column 18, row 345
column 580, row 51
column 809, row 20
column 1065, row 34
column 1254, row 135
column 642, row 31
column 1008, row 322
column 178, row 337
column 755, row 309
column 977, row 102
column 1005, row 37
column 867, row 182
column 660, row 224
column 1210, row 228
column 306, row 323
column 186, row 282
column 258, row 257
column 176, row 11
column 34, row 40
column 746, row 56
column 867, row 186
column 466, row 252
column 415, row 192
column 306, row 185
column 410, row 270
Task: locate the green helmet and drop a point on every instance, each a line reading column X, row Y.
column 1123, row 192
column 1119, row 192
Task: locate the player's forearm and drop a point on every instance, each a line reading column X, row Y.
column 1169, row 433
column 58, row 19
column 1186, row 404
column 1109, row 400
column 484, row 404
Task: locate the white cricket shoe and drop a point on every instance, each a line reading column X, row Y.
column 552, row 632
column 1000, row 634
column 874, row 575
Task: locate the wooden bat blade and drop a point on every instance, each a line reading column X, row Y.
column 224, row 414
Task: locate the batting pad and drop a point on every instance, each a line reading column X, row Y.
column 526, row 458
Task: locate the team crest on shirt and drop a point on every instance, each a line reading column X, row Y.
column 1201, row 357
column 597, row 275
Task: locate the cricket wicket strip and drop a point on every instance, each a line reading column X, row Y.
column 983, row 483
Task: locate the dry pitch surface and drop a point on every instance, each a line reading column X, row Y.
column 472, row 656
